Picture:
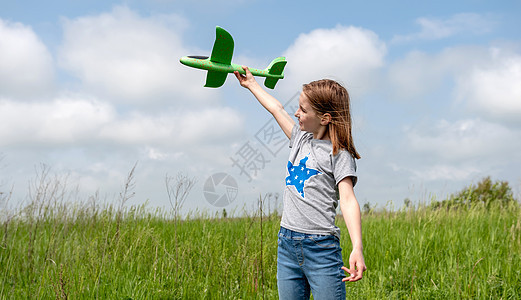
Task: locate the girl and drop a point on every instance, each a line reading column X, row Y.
column 321, row 162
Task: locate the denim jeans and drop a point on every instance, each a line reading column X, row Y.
column 309, row 263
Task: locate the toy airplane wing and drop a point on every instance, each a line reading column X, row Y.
column 215, row 79
column 222, row 52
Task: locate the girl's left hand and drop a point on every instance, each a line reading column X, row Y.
column 356, row 266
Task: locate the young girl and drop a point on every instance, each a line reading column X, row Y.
column 321, row 162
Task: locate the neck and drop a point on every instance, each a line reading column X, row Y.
column 322, row 133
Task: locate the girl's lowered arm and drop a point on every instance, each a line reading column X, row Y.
column 351, row 212
column 267, row 101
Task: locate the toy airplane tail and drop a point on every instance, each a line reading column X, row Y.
column 276, row 67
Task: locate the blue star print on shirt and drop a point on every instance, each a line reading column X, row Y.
column 299, row 174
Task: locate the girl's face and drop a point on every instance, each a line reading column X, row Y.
column 307, row 117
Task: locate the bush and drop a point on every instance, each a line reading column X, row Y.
column 485, row 193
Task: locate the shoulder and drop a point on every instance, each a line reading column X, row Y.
column 298, row 135
column 343, row 156
column 344, row 165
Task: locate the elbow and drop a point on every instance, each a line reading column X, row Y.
column 275, row 108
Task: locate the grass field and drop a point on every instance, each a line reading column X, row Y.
column 85, row 253
column 54, row 249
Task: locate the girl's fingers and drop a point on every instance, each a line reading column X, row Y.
column 355, row 274
column 347, row 271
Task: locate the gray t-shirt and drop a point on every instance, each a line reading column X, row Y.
column 310, row 197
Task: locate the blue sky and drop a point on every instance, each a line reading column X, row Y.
column 89, row 88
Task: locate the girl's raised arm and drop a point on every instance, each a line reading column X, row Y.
column 271, row 104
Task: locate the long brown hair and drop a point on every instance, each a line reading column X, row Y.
column 328, row 96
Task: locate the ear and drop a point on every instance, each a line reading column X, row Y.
column 326, row 119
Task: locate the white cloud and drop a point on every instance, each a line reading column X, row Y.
column 70, row 121
column 454, row 152
column 419, row 74
column 480, row 85
column 61, row 121
column 175, row 129
column 211, row 125
column 447, row 172
column 436, row 28
column 464, row 140
column 494, row 89
column 349, row 54
column 415, row 75
column 436, row 172
column 486, row 80
column 129, row 57
column 120, row 58
column 26, row 66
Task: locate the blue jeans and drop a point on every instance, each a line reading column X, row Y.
column 309, row 263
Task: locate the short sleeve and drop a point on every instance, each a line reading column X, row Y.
column 344, row 165
column 295, row 132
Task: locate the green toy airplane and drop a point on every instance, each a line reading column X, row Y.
column 219, row 64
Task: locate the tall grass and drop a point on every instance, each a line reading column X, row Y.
column 465, row 253
column 55, row 248
column 84, row 257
